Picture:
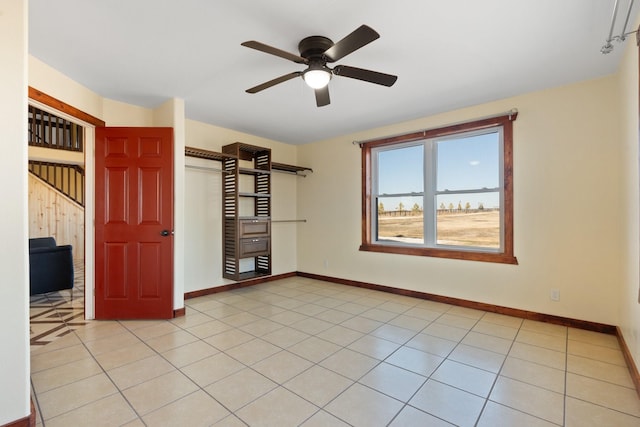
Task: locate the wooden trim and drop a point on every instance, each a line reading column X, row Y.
column 507, row 159
column 501, row 258
column 180, row 312
column 631, row 365
column 28, row 421
column 515, row 312
column 391, row 140
column 507, row 256
column 52, row 102
column 443, row 130
column 238, row 285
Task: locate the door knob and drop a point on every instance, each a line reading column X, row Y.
column 165, row 233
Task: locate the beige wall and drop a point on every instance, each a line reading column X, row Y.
column 55, row 84
column 203, row 207
column 171, row 114
column 14, row 291
column 122, row 114
column 567, row 210
column 630, row 191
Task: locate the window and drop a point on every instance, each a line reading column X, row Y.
column 445, row 192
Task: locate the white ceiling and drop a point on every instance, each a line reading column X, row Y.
column 446, row 54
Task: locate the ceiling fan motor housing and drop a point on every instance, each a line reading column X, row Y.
column 313, row 47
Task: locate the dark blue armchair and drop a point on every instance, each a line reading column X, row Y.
column 50, row 266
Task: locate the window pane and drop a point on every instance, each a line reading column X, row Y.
column 469, row 220
column 400, row 170
column 400, row 219
column 471, row 162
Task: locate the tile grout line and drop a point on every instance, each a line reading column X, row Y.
column 381, row 361
column 256, row 335
column 199, row 387
column 488, row 398
column 37, row 403
column 110, row 380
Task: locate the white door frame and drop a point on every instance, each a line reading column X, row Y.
column 89, row 205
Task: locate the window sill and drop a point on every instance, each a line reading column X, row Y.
column 442, row 253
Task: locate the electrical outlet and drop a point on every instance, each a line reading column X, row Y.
column 326, row 263
column 555, row 295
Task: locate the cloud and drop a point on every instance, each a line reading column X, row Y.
column 474, row 162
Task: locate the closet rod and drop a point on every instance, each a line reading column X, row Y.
column 206, row 168
column 289, row 220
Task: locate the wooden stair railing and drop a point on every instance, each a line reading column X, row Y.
column 68, row 179
column 50, row 131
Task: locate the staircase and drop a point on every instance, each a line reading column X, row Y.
column 56, row 189
column 67, row 179
column 50, row 131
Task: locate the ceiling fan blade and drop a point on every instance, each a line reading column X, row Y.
column 274, row 82
column 365, row 75
column 322, row 96
column 362, row 36
column 274, row 51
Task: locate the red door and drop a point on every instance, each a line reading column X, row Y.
column 134, row 223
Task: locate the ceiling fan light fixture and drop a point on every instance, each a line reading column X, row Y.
column 316, row 52
column 316, row 78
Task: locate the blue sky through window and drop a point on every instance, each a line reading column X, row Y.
column 468, row 163
column 464, row 163
column 400, row 170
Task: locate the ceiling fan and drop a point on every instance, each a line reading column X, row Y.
column 316, row 52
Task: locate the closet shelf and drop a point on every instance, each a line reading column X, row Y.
column 213, row 155
column 289, row 168
column 206, row 154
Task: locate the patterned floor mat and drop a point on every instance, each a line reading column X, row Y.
column 55, row 314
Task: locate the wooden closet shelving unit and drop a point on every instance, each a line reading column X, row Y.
column 246, row 207
column 246, row 211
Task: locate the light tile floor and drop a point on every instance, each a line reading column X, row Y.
column 301, row 352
